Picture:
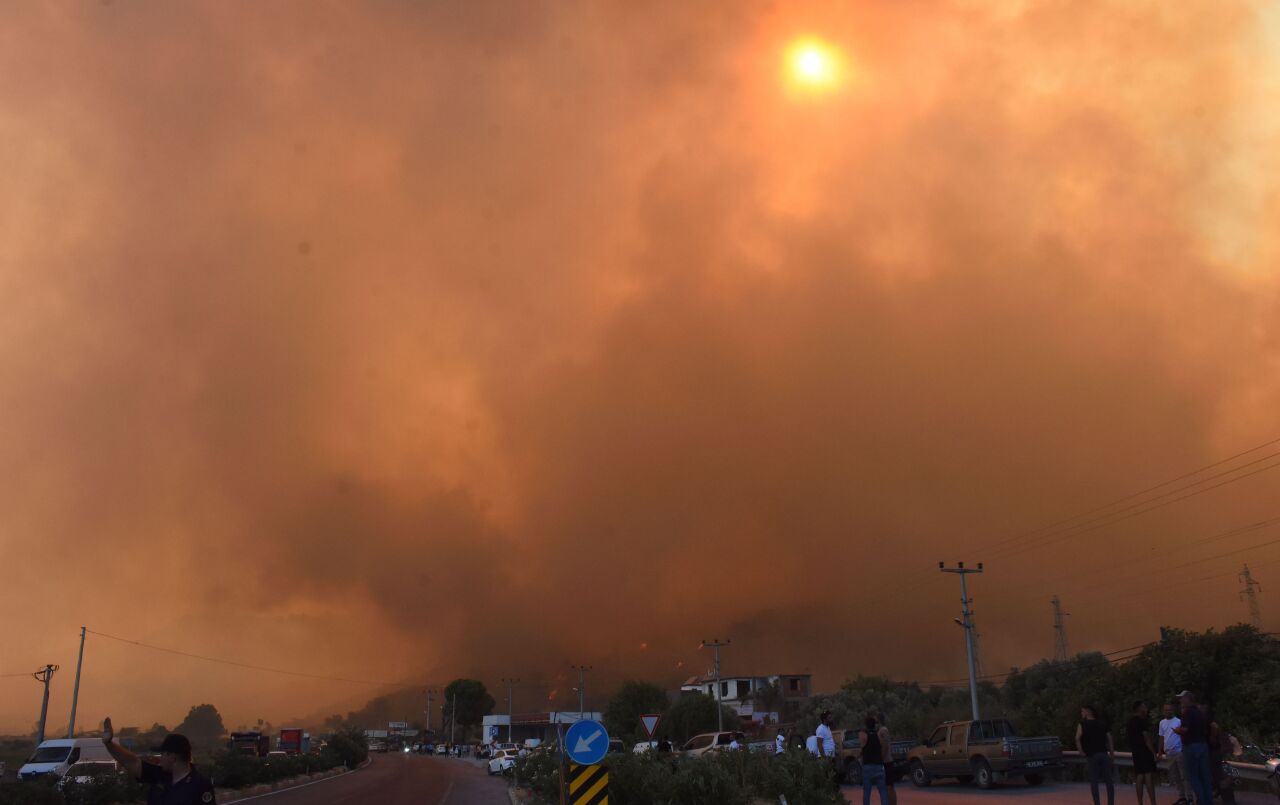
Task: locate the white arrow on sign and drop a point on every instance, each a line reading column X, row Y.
column 650, row 723
column 584, row 744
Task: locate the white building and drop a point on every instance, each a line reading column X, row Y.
column 739, row 693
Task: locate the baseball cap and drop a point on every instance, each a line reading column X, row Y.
column 177, row 744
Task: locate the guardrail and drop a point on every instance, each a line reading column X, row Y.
column 1248, row 771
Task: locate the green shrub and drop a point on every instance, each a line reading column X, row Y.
column 36, row 792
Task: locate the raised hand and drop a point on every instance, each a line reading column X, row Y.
column 108, row 733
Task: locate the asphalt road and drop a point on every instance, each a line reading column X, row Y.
column 400, row 779
column 944, row 793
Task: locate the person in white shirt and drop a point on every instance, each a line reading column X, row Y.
column 826, row 741
column 733, row 744
column 780, row 743
column 811, row 744
column 1171, row 748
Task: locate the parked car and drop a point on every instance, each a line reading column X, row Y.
column 503, row 761
column 988, row 751
column 849, row 754
column 442, row 749
column 645, row 746
column 376, row 746
column 711, row 742
column 89, row 771
column 59, row 754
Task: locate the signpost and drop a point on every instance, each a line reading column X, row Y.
column 585, row 744
column 588, row 785
column 650, row 723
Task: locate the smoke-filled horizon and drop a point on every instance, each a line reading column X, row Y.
column 405, row 341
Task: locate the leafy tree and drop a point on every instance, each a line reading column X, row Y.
column 632, row 700
column 692, row 714
column 202, row 726
column 473, row 702
column 349, row 747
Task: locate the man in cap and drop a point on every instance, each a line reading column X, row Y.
column 173, row 781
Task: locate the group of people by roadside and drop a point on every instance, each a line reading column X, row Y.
column 875, row 756
column 1187, row 737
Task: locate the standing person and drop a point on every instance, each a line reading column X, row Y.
column 173, row 781
column 1194, row 732
column 1093, row 739
column 733, row 743
column 826, row 741
column 1219, row 749
column 874, row 741
column 1143, row 748
column 1171, row 750
column 890, row 768
column 780, row 742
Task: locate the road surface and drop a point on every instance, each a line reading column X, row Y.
column 1051, row 793
column 400, row 779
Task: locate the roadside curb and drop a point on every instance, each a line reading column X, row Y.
column 256, row 792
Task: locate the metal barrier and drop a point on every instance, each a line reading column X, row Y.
column 1247, row 771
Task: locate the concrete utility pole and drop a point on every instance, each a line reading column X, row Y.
column 1061, row 649
column 43, row 675
column 715, row 643
column 967, row 623
column 581, row 690
column 453, row 721
column 510, row 707
column 430, row 694
column 1250, row 594
column 75, row 691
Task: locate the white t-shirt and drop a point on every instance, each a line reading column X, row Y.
column 779, row 744
column 1172, row 740
column 811, row 743
column 827, row 740
column 734, row 744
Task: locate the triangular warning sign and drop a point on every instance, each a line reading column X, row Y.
column 650, row 723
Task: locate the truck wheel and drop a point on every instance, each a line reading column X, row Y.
column 982, row 773
column 1034, row 779
column 853, row 772
column 920, row 776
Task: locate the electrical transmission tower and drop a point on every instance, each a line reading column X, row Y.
column 1250, row 594
column 1061, row 649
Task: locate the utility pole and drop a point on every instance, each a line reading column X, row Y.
column 510, row 707
column 454, row 720
column 581, row 690
column 43, row 675
column 714, row 643
column 430, row 694
column 967, row 623
column 75, row 691
column 1250, row 594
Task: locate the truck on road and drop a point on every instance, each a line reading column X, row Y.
column 849, row 754
column 986, row 751
column 293, row 741
column 249, row 743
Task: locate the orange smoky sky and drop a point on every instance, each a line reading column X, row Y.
column 398, row 341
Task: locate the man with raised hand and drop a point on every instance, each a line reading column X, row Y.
column 172, row 781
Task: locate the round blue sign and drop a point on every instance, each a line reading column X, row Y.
column 586, row 743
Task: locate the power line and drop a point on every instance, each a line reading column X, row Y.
column 248, row 666
column 1111, row 519
column 1126, row 498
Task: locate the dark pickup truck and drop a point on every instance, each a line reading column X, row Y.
column 849, row 755
column 987, row 751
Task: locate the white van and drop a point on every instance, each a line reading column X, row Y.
column 56, row 756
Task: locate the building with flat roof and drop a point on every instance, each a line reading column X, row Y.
column 524, row 726
column 772, row 697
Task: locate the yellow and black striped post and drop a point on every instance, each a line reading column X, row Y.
column 588, row 785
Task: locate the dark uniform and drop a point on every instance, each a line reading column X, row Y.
column 194, row 789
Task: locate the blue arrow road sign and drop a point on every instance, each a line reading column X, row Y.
column 586, row 743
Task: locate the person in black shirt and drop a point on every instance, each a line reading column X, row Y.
column 1195, row 746
column 1093, row 739
column 173, row 781
column 1143, row 748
